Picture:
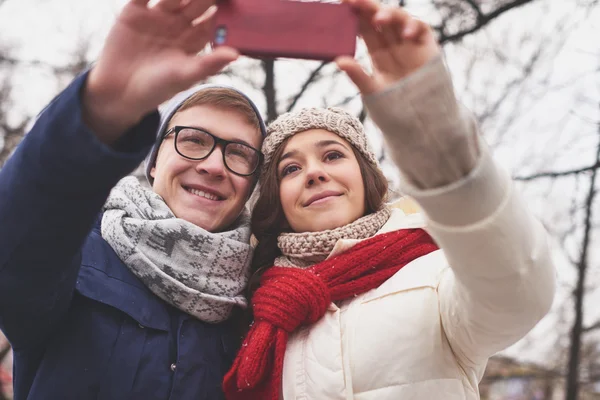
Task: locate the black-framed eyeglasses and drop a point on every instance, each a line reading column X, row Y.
column 197, row 144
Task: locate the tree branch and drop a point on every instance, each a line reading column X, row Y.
column 477, row 10
column 362, row 116
column 76, row 66
column 572, row 382
column 590, row 328
column 311, row 78
column 560, row 174
column 482, row 20
column 12, row 137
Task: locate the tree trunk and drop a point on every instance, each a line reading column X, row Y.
column 269, row 89
column 572, row 390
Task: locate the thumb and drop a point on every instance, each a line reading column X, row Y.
column 365, row 83
column 201, row 67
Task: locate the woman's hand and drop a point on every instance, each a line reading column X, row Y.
column 150, row 54
column 398, row 45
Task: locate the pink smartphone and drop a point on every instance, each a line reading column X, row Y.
column 286, row 28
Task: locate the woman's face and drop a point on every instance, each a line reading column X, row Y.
column 321, row 186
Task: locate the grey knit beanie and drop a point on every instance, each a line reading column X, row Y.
column 333, row 119
column 170, row 108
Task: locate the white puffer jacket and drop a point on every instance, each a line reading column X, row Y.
column 428, row 331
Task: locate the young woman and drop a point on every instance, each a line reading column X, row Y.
column 359, row 301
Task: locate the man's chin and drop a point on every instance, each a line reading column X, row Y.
column 206, row 225
column 207, row 221
column 211, row 221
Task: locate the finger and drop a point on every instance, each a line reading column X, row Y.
column 195, row 38
column 370, row 32
column 363, row 81
column 394, row 18
column 198, row 9
column 140, row 2
column 371, row 35
column 365, row 8
column 170, row 6
column 388, row 23
column 390, row 35
column 199, row 68
column 417, row 30
column 410, row 29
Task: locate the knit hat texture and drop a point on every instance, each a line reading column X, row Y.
column 332, row 119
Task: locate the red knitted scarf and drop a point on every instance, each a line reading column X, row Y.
column 291, row 297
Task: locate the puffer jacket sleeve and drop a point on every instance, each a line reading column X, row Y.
column 51, row 191
column 501, row 279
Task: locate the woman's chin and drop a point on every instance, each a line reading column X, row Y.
column 324, row 220
column 327, row 224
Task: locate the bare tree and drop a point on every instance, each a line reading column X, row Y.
column 11, row 133
column 456, row 22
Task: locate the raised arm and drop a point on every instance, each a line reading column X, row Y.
column 51, row 190
column 501, row 280
column 97, row 131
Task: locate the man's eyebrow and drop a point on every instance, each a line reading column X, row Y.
column 240, row 141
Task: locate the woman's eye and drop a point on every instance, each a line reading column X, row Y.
column 289, row 169
column 333, row 155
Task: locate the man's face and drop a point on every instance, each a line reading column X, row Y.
column 205, row 192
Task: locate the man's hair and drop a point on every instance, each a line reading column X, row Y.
column 223, row 98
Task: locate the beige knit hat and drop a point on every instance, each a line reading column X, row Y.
column 333, row 119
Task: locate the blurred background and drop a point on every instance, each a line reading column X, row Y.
column 528, row 69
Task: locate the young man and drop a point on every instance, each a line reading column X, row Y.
column 128, row 293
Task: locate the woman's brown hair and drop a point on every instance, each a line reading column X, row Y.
column 268, row 219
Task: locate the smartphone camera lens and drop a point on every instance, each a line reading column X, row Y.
column 220, row 35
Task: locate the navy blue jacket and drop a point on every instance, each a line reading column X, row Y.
column 82, row 326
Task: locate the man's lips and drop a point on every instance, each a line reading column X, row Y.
column 321, row 196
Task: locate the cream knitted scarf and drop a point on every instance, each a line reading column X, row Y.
column 305, row 249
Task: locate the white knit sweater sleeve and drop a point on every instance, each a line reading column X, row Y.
column 502, row 279
column 430, row 136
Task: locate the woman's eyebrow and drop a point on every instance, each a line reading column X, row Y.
column 289, row 154
column 324, row 143
column 319, row 144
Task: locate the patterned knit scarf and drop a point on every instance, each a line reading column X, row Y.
column 305, row 249
column 201, row 273
column 291, row 297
